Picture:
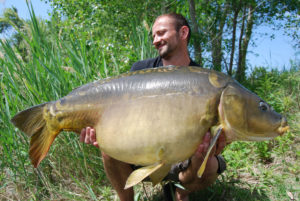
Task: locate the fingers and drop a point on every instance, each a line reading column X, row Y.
column 203, row 147
column 93, row 138
column 197, row 159
column 187, row 175
column 88, row 136
column 96, row 144
column 206, row 142
column 200, row 150
column 218, row 148
column 87, row 139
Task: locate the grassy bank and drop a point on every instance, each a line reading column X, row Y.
column 74, row 171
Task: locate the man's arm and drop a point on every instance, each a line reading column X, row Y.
column 189, row 176
column 189, row 179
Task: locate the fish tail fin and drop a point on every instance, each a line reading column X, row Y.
column 30, row 120
column 33, row 123
column 40, row 144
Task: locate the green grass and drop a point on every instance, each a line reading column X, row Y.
column 74, row 171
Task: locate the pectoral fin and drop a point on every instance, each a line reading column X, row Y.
column 212, row 144
column 138, row 175
column 160, row 174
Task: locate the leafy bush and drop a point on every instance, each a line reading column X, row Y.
column 56, row 64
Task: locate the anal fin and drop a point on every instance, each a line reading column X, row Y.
column 160, row 174
column 212, row 144
column 138, row 175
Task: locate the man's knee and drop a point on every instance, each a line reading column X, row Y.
column 112, row 165
column 110, row 162
column 105, row 156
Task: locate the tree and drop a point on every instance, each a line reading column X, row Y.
column 195, row 30
column 236, row 8
column 9, row 22
column 9, row 19
column 222, row 30
column 245, row 36
column 226, row 27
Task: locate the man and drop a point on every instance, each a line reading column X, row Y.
column 171, row 34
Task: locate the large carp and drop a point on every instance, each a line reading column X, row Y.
column 153, row 117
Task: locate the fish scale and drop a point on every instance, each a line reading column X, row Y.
column 153, row 117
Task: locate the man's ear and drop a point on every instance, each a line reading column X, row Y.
column 184, row 32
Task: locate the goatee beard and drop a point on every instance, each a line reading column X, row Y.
column 165, row 54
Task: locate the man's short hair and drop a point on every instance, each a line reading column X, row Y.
column 179, row 22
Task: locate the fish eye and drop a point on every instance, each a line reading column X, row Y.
column 263, row 106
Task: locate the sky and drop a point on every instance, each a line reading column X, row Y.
column 273, row 53
column 41, row 9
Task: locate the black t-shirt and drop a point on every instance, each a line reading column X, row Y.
column 153, row 63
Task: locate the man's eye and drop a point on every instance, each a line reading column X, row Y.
column 160, row 33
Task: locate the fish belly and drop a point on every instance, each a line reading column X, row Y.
column 153, row 129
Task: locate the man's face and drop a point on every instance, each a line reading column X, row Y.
column 165, row 36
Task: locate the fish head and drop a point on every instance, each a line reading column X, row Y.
column 245, row 116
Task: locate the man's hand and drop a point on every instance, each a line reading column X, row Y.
column 189, row 177
column 88, row 136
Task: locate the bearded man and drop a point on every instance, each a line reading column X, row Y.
column 171, row 34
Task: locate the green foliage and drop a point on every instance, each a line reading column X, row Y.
column 59, row 59
column 279, row 89
column 10, row 18
column 103, row 22
column 53, row 67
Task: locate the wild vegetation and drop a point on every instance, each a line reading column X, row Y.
column 82, row 42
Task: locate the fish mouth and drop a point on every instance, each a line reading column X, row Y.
column 283, row 127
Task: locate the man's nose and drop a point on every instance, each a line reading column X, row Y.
column 156, row 40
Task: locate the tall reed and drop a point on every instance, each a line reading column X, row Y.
column 52, row 67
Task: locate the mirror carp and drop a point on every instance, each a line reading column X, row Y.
column 153, row 117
